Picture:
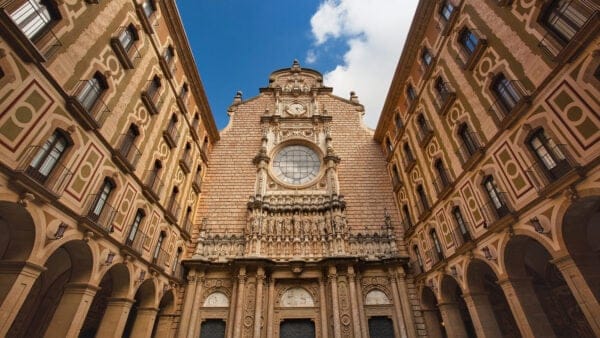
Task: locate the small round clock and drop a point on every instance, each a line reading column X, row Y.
column 296, row 164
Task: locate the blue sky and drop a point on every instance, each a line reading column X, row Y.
column 354, row 43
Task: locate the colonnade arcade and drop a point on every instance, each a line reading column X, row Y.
column 64, row 287
column 532, row 283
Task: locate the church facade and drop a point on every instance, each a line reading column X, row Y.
column 298, row 227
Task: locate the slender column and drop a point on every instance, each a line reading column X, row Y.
column 323, row 302
column 354, row 302
column 453, row 322
column 195, row 315
column 581, row 291
column 16, row 278
column 271, row 310
column 71, row 311
column 399, row 322
column 364, row 325
column 231, row 314
column 188, row 303
column 526, row 309
column 409, row 320
column 260, row 279
column 482, row 315
column 237, row 328
column 115, row 317
column 335, row 302
column 144, row 322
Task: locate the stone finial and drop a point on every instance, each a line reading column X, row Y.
column 296, row 65
column 237, row 99
column 353, row 97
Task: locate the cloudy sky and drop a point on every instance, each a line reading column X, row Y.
column 354, row 43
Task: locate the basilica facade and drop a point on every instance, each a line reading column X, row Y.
column 471, row 210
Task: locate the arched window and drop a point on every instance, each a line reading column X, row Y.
column 461, row 223
column 101, row 198
column 437, row 246
column 149, row 7
column 187, row 221
column 495, row 197
column 35, row 18
column 197, row 182
column 547, row 153
column 422, row 198
column 442, row 178
column 468, row 40
column 205, row 145
column 426, row 57
column 446, row 9
column 407, row 152
column 48, row 156
column 196, row 121
column 184, row 92
column 395, row 175
column 135, row 226
column 153, row 87
column 410, row 93
column 171, row 135
column 128, row 37
column 566, row 18
column 159, row 255
column 389, row 146
column 128, row 141
column 398, row 122
column 506, row 92
column 406, row 217
column 468, row 140
column 177, row 259
column 91, row 91
column 169, row 55
column 418, row 257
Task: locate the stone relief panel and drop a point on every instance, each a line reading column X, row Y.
column 377, row 297
column 216, row 299
column 296, row 297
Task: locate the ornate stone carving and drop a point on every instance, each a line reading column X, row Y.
column 376, row 297
column 216, row 299
column 297, row 297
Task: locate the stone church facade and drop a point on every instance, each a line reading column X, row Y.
column 471, row 210
column 298, row 226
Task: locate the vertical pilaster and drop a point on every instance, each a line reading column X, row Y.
column 408, row 314
column 260, row 279
column 195, row 315
column 238, row 321
column 17, row 279
column 364, row 325
column 271, row 310
column 332, row 276
column 323, row 301
column 115, row 317
column 399, row 318
column 354, row 302
column 71, row 311
column 482, row 314
column 581, row 290
column 188, row 302
column 526, row 309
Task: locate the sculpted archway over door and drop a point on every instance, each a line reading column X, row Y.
column 297, row 297
column 216, row 299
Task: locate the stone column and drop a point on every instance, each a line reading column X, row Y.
column 323, row 302
column 238, row 321
column 231, row 313
column 407, row 310
column 188, row 302
column 399, row 318
column 16, row 278
column 526, row 309
column 482, row 315
column 260, row 279
column 453, row 322
column 354, row 302
column 144, row 322
column 337, row 330
column 71, row 311
column 195, row 315
column 581, row 291
column 115, row 317
column 164, row 326
column 361, row 308
column 432, row 323
column 271, row 307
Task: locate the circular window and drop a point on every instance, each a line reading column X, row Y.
column 296, row 164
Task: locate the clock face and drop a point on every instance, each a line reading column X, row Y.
column 295, row 109
column 296, row 164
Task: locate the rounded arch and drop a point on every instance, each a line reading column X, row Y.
column 296, row 297
column 18, row 232
column 450, row 288
column 146, row 294
column 377, row 296
column 216, row 298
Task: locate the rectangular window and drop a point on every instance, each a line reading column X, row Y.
column 468, row 40
column 565, row 18
column 32, row 18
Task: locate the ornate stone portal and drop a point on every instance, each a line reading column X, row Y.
column 304, row 254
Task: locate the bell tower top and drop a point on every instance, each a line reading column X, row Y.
column 296, row 80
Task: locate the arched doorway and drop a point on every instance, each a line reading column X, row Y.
column 58, row 294
column 581, row 233
column 488, row 301
column 143, row 312
column 454, row 310
column 549, row 303
column 431, row 314
column 113, row 288
column 164, row 321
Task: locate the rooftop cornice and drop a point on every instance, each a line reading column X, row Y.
column 175, row 26
column 410, row 51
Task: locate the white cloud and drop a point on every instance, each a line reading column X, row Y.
column 374, row 32
column 311, row 57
